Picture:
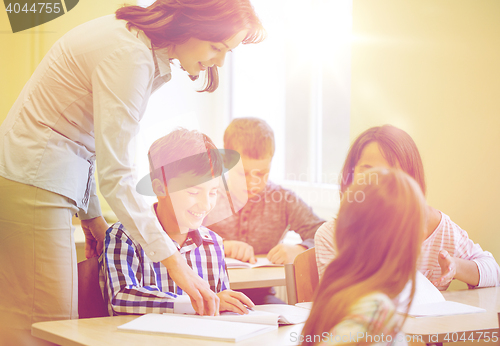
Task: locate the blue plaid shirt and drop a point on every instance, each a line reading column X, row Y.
column 133, row 284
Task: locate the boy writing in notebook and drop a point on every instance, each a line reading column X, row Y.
column 185, row 174
column 258, row 227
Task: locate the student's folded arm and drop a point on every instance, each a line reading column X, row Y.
column 121, row 86
column 124, row 281
column 301, row 218
column 489, row 270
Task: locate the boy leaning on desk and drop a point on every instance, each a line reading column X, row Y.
column 186, row 172
column 258, row 227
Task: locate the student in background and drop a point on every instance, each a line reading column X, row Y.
column 378, row 234
column 133, row 283
column 447, row 253
column 257, row 228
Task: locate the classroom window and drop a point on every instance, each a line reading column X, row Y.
column 299, row 81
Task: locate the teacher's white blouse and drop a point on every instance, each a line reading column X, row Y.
column 83, row 105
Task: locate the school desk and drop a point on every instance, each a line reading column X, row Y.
column 238, row 278
column 256, row 277
column 461, row 327
column 103, row 331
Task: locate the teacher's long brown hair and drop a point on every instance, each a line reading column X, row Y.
column 171, row 22
column 378, row 235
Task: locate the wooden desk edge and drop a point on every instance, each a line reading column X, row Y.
column 38, row 332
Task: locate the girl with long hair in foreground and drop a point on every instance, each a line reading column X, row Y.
column 378, row 235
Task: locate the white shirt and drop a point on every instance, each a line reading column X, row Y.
column 83, row 104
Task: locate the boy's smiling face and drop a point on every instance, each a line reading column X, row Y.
column 187, row 205
column 191, row 204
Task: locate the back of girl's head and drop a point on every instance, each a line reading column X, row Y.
column 171, row 22
column 397, row 147
column 378, row 236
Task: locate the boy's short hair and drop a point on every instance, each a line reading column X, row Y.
column 183, row 151
column 251, row 137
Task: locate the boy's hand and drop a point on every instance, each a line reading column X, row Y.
column 239, row 250
column 233, row 301
column 284, row 253
column 448, row 268
column 94, row 230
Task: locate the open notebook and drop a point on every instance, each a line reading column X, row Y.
column 272, row 314
column 261, row 262
column 188, row 326
column 428, row 301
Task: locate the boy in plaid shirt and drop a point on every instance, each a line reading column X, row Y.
column 185, row 174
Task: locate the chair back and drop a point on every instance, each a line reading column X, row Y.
column 302, row 277
column 90, row 301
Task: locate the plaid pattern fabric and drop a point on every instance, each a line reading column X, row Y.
column 133, row 284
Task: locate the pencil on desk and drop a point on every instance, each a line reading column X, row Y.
column 284, row 234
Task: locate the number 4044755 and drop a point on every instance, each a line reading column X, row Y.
column 485, row 336
column 40, row 7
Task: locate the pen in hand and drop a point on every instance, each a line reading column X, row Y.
column 284, row 234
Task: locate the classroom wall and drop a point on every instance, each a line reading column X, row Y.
column 20, row 53
column 432, row 68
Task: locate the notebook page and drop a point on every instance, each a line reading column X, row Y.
column 260, row 317
column 443, row 309
column 288, row 314
column 181, row 325
column 425, row 293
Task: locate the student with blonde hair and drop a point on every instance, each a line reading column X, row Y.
column 257, row 228
column 447, row 253
column 378, row 236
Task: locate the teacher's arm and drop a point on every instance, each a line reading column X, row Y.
column 121, row 86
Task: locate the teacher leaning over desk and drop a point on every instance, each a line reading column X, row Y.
column 81, row 109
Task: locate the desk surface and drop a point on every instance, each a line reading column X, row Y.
column 103, row 331
column 256, row 277
column 460, row 326
column 238, row 278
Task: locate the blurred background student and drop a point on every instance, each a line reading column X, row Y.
column 378, row 235
column 271, row 209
